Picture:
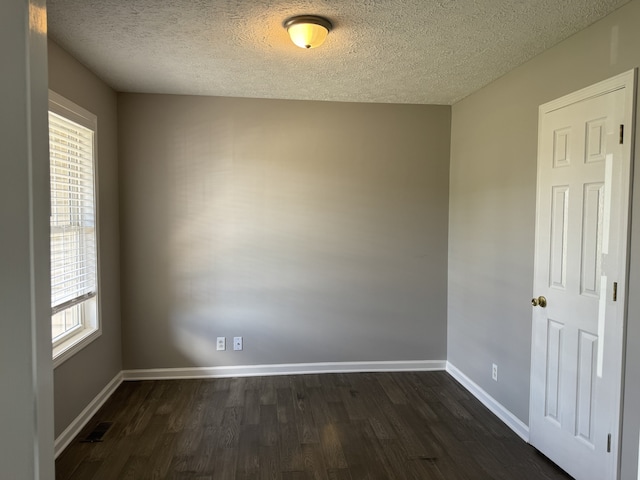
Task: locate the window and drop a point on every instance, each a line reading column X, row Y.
column 74, row 245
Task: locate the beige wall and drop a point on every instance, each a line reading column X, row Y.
column 318, row 231
column 492, row 209
column 315, row 230
column 78, row 380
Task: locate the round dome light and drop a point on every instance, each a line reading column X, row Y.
column 308, row 31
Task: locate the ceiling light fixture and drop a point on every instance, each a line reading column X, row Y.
column 308, row 31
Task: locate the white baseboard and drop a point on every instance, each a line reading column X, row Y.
column 509, row 419
column 283, row 369
column 487, row 400
column 65, row 438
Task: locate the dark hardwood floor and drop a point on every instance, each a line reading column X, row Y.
column 419, row 426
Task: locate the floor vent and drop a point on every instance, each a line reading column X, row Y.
column 97, row 433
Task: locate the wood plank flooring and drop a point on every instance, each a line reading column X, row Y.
column 417, row 425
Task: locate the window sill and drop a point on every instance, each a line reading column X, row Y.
column 73, row 345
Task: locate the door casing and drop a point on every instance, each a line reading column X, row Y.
column 627, row 81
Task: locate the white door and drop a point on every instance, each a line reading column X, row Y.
column 580, row 270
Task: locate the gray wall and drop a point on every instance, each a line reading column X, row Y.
column 78, row 380
column 26, row 413
column 315, row 230
column 492, row 208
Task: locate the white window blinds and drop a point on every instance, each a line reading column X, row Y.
column 73, row 234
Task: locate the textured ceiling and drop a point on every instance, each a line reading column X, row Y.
column 392, row 51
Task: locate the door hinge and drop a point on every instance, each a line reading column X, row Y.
column 609, row 443
column 621, row 134
column 615, row 291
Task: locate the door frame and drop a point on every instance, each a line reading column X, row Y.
column 628, row 82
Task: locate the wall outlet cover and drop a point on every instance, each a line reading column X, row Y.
column 237, row 343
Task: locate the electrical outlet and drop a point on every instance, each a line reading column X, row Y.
column 494, row 372
column 221, row 343
column 237, row 343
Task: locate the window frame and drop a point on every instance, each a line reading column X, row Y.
column 69, row 345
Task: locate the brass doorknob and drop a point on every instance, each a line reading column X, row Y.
column 539, row 302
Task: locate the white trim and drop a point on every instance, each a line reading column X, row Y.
column 638, row 457
column 620, row 81
column 283, row 369
column 616, row 315
column 65, row 438
column 93, row 329
column 73, row 344
column 74, row 112
column 509, row 419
